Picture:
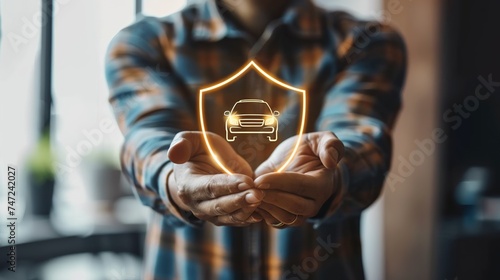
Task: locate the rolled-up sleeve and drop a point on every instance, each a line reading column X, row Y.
column 151, row 106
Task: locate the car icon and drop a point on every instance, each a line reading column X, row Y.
column 251, row 116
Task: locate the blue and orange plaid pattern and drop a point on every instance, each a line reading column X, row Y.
column 353, row 71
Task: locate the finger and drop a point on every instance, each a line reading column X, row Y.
column 266, row 167
column 268, row 218
column 226, row 154
column 218, row 221
column 327, row 147
column 228, row 204
column 206, row 187
column 226, row 220
column 184, row 146
column 236, row 219
column 295, row 183
column 256, row 216
column 188, row 144
column 244, row 215
column 291, row 203
column 278, row 213
column 247, row 214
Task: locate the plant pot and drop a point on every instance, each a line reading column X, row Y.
column 42, row 193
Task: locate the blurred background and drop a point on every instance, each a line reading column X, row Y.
column 439, row 214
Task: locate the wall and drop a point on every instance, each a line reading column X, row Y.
column 409, row 206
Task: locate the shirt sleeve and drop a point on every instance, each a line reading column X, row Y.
column 151, row 105
column 361, row 108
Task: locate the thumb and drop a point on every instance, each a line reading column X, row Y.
column 184, row 146
column 279, row 155
column 264, row 168
column 188, row 144
column 327, row 147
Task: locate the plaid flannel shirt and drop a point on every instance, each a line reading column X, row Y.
column 353, row 72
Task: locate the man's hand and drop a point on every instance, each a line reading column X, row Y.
column 197, row 185
column 299, row 192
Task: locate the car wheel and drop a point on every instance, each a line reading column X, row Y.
column 230, row 137
column 273, row 138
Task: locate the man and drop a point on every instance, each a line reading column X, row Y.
column 256, row 224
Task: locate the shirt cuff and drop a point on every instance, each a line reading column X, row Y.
column 187, row 217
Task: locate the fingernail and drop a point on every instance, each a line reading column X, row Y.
column 254, row 219
column 251, row 220
column 251, row 198
column 175, row 142
column 244, row 186
column 264, row 186
column 334, row 155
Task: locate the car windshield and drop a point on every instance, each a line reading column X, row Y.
column 251, row 108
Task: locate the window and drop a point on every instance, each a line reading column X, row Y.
column 359, row 8
column 85, row 134
column 19, row 70
column 160, row 8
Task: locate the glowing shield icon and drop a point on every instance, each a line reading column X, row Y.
column 250, row 115
column 246, row 117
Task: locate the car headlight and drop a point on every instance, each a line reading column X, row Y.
column 233, row 120
column 270, row 120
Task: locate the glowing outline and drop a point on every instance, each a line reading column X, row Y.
column 272, row 79
column 263, row 124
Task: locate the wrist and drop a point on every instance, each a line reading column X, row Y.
column 172, row 192
column 334, row 199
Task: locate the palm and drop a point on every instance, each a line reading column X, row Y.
column 308, row 181
column 197, row 184
column 306, row 161
column 202, row 163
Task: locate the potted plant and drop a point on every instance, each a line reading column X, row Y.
column 41, row 177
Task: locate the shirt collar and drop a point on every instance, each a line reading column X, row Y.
column 302, row 17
